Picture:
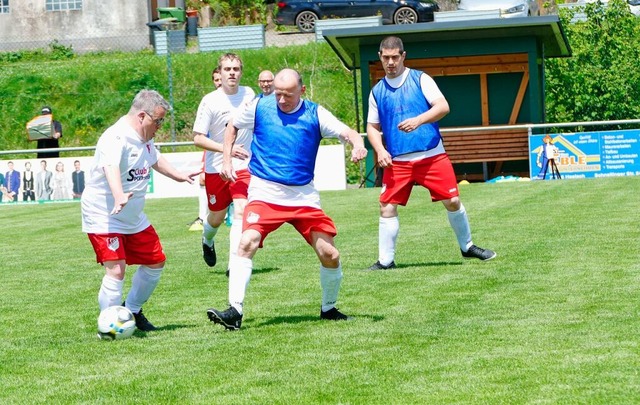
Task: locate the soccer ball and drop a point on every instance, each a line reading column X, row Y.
column 116, row 322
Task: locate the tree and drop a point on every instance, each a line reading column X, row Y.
column 601, row 80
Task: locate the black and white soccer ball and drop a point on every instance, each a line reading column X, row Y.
column 116, row 323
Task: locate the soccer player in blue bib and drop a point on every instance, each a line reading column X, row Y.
column 287, row 131
column 404, row 109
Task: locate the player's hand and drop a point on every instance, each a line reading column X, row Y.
column 357, row 154
column 538, row 164
column 239, row 152
column 189, row 177
column 409, row 124
column 384, row 159
column 227, row 173
column 120, row 203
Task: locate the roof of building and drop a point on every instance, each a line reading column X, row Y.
column 548, row 29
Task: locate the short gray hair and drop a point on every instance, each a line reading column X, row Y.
column 148, row 101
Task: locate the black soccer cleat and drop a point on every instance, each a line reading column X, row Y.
column 209, row 254
column 143, row 323
column 476, row 252
column 379, row 266
column 334, row 315
column 230, row 318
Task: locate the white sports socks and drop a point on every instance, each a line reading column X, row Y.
column 235, row 234
column 203, row 204
column 330, row 282
column 110, row 293
column 239, row 276
column 143, row 283
column 460, row 224
column 208, row 232
column 387, row 235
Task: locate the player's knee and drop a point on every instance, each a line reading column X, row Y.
column 329, row 257
column 249, row 243
column 452, row 204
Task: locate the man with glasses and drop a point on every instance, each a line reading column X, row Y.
column 113, row 201
column 265, row 81
column 208, row 133
column 404, row 108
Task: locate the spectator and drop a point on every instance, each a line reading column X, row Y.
column 60, row 184
column 12, row 183
column 43, row 182
column 77, row 177
column 28, row 183
column 50, row 142
column 3, row 190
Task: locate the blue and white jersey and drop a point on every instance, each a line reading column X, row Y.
column 284, row 150
column 391, row 101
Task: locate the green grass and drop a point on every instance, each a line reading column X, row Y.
column 554, row 319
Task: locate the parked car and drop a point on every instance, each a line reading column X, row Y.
column 304, row 13
column 508, row 8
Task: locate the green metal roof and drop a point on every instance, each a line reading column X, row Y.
column 347, row 42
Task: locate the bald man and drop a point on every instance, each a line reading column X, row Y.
column 265, row 81
column 281, row 188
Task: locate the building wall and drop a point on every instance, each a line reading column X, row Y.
column 100, row 25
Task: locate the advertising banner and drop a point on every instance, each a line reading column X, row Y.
column 585, row 154
column 63, row 179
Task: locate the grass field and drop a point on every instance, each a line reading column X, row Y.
column 553, row 319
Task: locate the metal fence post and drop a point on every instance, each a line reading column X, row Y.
column 170, row 76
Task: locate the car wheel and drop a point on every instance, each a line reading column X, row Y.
column 306, row 21
column 405, row 15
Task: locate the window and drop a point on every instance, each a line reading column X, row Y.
column 4, row 6
column 62, row 5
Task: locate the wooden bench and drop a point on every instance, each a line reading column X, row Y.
column 497, row 145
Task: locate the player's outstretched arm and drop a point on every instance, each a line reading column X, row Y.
column 358, row 152
column 163, row 166
column 202, row 141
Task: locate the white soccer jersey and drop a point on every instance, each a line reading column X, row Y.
column 120, row 145
column 213, row 115
column 280, row 194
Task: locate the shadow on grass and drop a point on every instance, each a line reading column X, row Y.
column 402, row 266
column 141, row 334
column 254, row 271
column 265, row 270
column 295, row 319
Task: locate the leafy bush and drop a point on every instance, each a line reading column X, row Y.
column 601, row 80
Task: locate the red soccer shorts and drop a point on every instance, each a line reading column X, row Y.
column 138, row 248
column 434, row 173
column 266, row 218
column 220, row 193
